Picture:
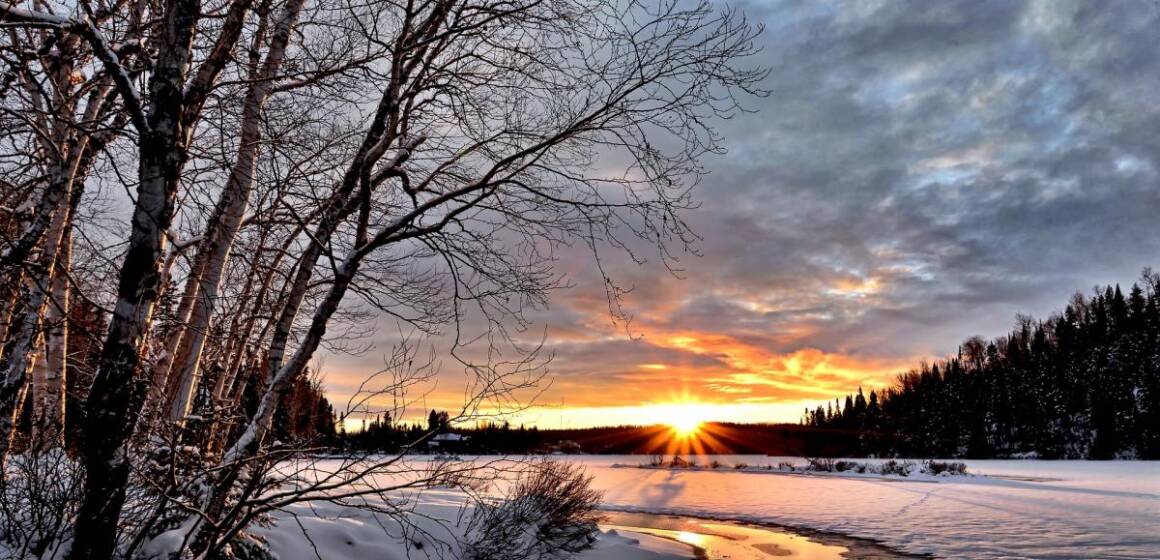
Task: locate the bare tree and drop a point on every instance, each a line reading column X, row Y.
column 303, row 166
column 53, row 113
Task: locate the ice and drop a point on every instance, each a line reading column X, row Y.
column 1017, row 509
column 1066, row 509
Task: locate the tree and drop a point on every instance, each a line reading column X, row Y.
column 298, row 166
column 438, row 421
column 1079, row 385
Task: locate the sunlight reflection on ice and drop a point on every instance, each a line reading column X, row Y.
column 720, row 540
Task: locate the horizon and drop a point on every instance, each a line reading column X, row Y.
column 680, row 409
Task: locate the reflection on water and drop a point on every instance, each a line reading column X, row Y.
column 688, row 537
column 719, row 540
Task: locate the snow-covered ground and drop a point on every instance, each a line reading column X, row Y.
column 326, row 531
column 1020, row 509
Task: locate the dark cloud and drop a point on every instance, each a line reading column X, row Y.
column 921, row 172
column 975, row 158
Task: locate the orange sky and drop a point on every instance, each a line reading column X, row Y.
column 603, row 374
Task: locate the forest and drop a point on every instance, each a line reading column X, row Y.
column 1081, row 384
column 381, row 435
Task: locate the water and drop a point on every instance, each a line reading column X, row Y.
column 721, row 540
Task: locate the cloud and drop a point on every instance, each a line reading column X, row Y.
column 921, row 172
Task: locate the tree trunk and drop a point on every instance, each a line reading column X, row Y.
column 162, row 368
column 258, row 426
column 49, row 378
column 117, row 391
column 9, row 305
column 217, row 242
column 52, row 198
column 23, row 353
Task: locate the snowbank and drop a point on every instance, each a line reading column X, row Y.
column 322, row 530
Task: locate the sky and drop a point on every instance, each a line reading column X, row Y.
column 921, row 172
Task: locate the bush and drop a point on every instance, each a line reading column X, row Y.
column 740, row 466
column 785, row 466
column 38, row 498
column 823, row 465
column 714, row 464
column 949, row 467
column 680, row 462
column 549, row 510
column 900, row 468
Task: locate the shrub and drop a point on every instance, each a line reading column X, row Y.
column 551, row 509
column 714, row 464
column 680, row 462
column 785, row 466
column 843, row 466
column 900, row 468
column 823, row 465
column 740, row 466
column 656, row 461
column 949, row 467
column 38, row 497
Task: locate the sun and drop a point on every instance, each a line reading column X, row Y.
column 685, row 427
column 685, row 419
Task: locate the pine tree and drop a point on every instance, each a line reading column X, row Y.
column 1084, row 383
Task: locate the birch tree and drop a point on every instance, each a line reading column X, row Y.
column 485, row 135
column 55, row 108
column 302, row 165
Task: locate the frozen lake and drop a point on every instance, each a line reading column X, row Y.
column 1038, row 509
column 1020, row 509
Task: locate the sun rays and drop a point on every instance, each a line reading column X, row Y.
column 684, row 419
column 685, row 426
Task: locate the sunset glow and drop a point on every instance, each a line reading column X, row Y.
column 685, row 419
column 801, row 294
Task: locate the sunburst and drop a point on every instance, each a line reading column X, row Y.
column 684, row 419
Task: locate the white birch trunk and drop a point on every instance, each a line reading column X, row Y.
column 216, row 246
column 163, row 366
column 50, row 388
column 23, row 356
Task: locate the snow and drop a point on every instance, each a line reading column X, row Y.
column 335, row 532
column 1067, row 509
column 614, row 546
column 330, row 531
column 1016, row 509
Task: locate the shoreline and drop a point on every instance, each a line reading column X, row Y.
column 921, row 477
column 858, row 548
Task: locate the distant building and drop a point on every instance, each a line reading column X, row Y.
column 448, row 442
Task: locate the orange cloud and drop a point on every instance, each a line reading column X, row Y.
column 747, row 368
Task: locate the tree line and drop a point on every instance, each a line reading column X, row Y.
column 382, row 434
column 1081, row 384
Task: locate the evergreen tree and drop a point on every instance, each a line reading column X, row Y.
column 1084, row 383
